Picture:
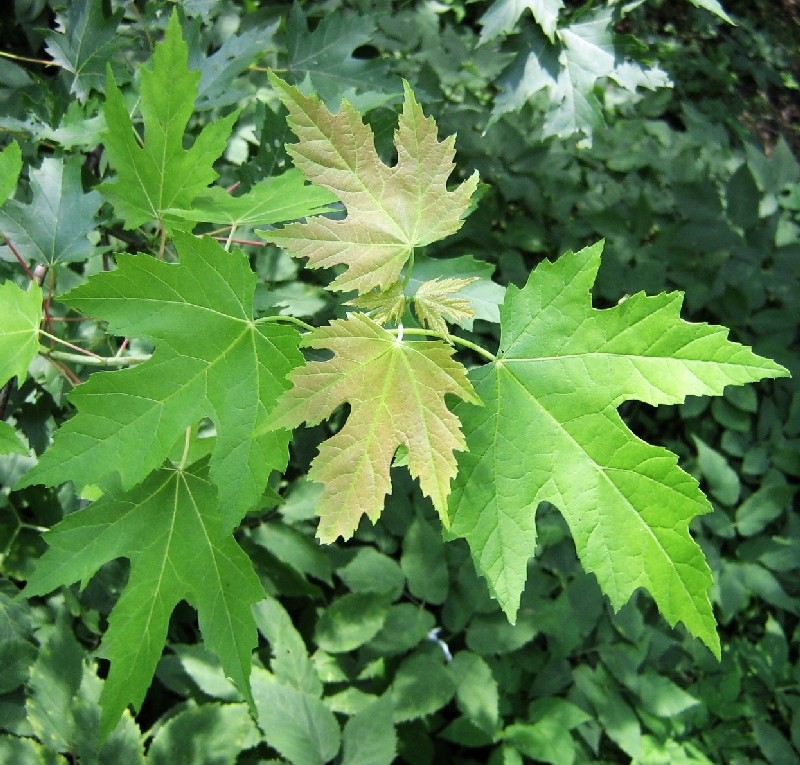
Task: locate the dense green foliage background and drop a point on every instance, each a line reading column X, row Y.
column 694, row 184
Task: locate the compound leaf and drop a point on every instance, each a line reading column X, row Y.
column 157, row 173
column 180, row 548
column 550, row 431
column 19, row 331
column 390, row 210
column 53, row 227
column 212, row 360
column 85, row 45
column 396, row 391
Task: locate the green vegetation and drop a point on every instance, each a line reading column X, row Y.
column 378, row 384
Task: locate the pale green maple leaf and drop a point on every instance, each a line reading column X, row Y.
column 21, row 312
column 211, row 360
column 396, row 390
column 180, row 548
column 54, row 226
column 390, row 210
column 550, row 431
column 436, row 302
column 157, row 173
column 503, row 16
column 85, row 44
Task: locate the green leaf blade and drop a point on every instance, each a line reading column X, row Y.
column 396, row 390
column 54, row 226
column 562, row 371
column 19, row 332
column 160, row 174
column 212, row 360
column 180, row 548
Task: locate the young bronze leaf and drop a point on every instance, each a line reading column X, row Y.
column 550, row 431
column 396, row 390
column 436, row 302
column 390, row 210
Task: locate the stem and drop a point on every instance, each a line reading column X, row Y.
column 27, row 59
column 229, row 240
column 94, row 360
column 187, row 440
column 409, row 269
column 69, row 345
column 162, row 244
column 453, row 338
column 289, row 319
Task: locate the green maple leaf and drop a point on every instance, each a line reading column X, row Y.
column 84, row 47
column 19, row 329
column 180, row 548
column 9, row 440
column 54, row 226
column 212, row 360
column 503, row 15
column 325, row 54
column 273, row 200
column 390, row 210
column 550, row 431
column 157, row 173
column 10, row 167
column 396, row 390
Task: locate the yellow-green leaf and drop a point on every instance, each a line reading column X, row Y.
column 396, row 390
column 21, row 312
column 390, row 210
column 435, row 302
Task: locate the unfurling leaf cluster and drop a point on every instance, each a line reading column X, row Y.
column 181, row 444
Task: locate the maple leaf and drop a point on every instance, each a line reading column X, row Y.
column 390, row 210
column 158, row 173
column 19, row 329
column 550, row 431
column 435, row 301
column 396, row 390
column 85, row 45
column 9, row 440
column 180, row 548
column 10, row 167
column 503, row 15
column 273, row 200
column 211, row 360
column 325, row 54
column 383, row 306
column 54, row 226
column 483, row 295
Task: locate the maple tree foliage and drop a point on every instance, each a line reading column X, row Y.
column 537, row 423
